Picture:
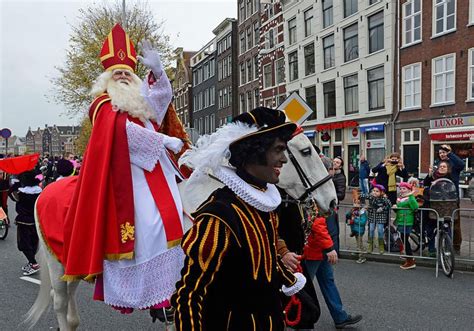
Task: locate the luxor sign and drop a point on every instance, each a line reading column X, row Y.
column 451, row 122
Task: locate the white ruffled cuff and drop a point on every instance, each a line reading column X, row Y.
column 145, row 146
column 158, row 95
column 296, row 287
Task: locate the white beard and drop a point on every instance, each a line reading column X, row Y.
column 125, row 98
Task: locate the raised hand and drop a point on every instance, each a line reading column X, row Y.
column 151, row 58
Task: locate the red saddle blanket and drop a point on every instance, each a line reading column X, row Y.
column 51, row 209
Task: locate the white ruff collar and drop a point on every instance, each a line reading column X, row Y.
column 264, row 201
column 30, row 189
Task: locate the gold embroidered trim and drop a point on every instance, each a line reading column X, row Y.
column 174, row 243
column 119, row 256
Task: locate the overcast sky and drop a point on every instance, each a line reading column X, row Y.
column 34, row 36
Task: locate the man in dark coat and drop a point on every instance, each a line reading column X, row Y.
column 232, row 274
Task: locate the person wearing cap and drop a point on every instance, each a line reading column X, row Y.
column 125, row 220
column 405, row 217
column 378, row 213
column 232, row 274
column 456, row 164
column 24, row 193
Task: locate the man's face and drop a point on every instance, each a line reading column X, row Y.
column 122, row 76
column 443, row 155
column 275, row 157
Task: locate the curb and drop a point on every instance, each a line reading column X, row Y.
column 459, row 265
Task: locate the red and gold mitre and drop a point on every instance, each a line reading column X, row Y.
column 118, row 51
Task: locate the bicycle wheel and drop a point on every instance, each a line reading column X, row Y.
column 414, row 239
column 446, row 253
column 3, row 229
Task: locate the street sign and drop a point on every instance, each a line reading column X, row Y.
column 5, row 133
column 295, row 108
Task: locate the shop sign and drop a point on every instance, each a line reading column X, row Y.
column 325, row 136
column 451, row 122
column 464, row 135
column 355, row 132
column 336, row 125
column 372, row 127
column 309, row 134
column 376, row 144
column 295, row 108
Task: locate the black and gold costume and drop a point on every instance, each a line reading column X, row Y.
column 232, row 274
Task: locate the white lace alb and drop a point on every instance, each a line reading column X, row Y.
column 145, row 146
column 158, row 95
column 30, row 189
column 264, row 201
column 144, row 285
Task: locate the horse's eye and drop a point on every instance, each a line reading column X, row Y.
column 306, row 151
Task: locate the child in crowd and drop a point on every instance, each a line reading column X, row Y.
column 357, row 219
column 405, row 219
column 25, row 192
column 378, row 215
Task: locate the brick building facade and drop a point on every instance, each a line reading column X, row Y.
column 435, row 82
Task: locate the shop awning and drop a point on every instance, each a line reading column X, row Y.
column 372, row 127
column 453, row 133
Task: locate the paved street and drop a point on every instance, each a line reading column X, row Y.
column 389, row 298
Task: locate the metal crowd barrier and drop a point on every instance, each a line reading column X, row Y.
column 349, row 245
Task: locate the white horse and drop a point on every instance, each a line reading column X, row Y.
column 303, row 177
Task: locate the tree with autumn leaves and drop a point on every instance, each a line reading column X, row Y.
column 82, row 66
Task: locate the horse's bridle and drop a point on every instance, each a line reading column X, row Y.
column 304, row 179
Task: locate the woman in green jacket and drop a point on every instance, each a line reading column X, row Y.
column 405, row 219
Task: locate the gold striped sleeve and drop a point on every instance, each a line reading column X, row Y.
column 286, row 276
column 205, row 246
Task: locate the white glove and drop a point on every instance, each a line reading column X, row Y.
column 296, row 287
column 172, row 143
column 151, row 58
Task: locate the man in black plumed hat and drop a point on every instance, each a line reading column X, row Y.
column 232, row 275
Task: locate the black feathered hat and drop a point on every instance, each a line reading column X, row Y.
column 266, row 120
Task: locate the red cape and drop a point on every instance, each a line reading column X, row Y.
column 100, row 222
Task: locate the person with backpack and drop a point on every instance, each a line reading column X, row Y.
column 378, row 213
column 405, row 216
column 356, row 218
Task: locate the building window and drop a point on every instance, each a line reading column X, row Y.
column 376, row 32
column 225, row 100
column 256, row 98
column 351, row 43
column 212, row 95
column 280, row 70
column 350, row 7
column 255, row 66
column 328, row 49
column 470, row 75
column 329, row 91
column 310, row 93
column 267, row 75
column 375, row 78
column 220, row 102
column 351, row 94
column 249, row 8
column 293, row 65
column 292, row 30
column 309, row 59
column 411, row 22
column 443, row 79
column 242, row 73
column 471, row 11
column 411, row 89
column 249, row 38
column 256, row 33
column 249, row 101
column 327, row 13
column 242, row 42
column 249, row 70
column 242, row 103
column 444, row 16
column 242, row 11
column 308, row 21
column 270, row 39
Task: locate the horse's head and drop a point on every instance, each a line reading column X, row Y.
column 311, row 178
